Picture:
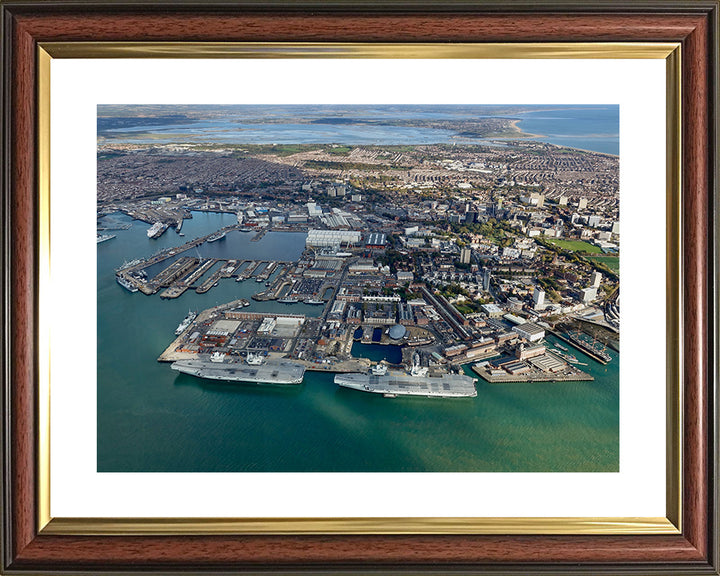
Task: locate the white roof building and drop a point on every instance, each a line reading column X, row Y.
column 531, row 332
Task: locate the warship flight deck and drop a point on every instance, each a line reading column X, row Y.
column 269, row 372
column 397, row 384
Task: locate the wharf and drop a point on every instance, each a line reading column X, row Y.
column 198, row 272
column 249, row 270
column 274, row 291
column 176, row 270
column 172, row 352
column 239, row 265
column 341, row 366
column 229, row 268
column 174, row 291
column 535, row 377
column 539, row 371
column 259, row 236
column 587, row 350
column 113, row 226
column 265, row 274
column 170, row 252
column 211, row 281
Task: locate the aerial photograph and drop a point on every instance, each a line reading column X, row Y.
column 358, row 288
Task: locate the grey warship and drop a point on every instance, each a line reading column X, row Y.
column 256, row 370
column 416, row 383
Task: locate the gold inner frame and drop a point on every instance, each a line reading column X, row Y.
column 671, row 524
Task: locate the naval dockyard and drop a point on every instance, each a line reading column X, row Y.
column 358, row 300
column 470, row 274
column 393, row 303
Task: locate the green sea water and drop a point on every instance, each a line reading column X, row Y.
column 152, row 419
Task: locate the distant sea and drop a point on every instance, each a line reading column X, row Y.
column 594, row 128
column 152, row 419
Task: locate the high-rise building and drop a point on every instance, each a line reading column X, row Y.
column 486, row 279
column 539, row 298
column 465, row 255
column 595, row 279
column 563, row 201
column 582, row 204
column 589, row 294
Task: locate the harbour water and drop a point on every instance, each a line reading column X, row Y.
column 152, row 419
column 594, row 128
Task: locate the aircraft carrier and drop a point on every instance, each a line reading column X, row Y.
column 269, row 372
column 394, row 384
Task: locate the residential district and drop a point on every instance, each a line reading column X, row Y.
column 501, row 258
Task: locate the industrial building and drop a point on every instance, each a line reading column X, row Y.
column 318, row 238
column 529, row 331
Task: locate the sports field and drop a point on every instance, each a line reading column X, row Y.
column 612, row 262
column 576, row 246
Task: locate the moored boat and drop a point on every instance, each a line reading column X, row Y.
column 185, row 323
column 156, row 230
column 125, row 283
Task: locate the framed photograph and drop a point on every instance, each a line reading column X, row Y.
column 354, row 299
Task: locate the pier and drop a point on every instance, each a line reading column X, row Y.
column 259, row 236
column 584, row 347
column 211, row 281
column 249, row 270
column 176, row 270
column 546, row 368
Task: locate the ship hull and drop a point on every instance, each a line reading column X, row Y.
column 280, row 372
column 392, row 384
column 126, row 284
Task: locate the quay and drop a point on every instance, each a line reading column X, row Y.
column 211, row 281
column 196, row 274
column 545, row 368
column 587, row 350
column 176, row 270
column 265, row 274
column 249, row 270
column 260, row 235
column 534, row 377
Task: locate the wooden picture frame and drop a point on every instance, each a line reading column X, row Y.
column 30, row 547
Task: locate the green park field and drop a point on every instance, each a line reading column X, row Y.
column 612, row 262
column 576, row 246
